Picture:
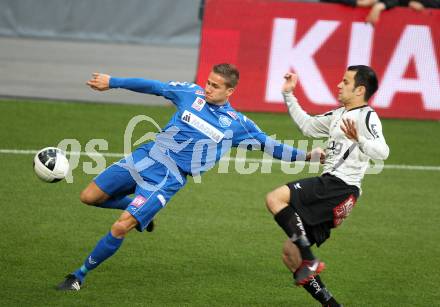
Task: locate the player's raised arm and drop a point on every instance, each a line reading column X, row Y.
column 174, row 91
column 314, row 126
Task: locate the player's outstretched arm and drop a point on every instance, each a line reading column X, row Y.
column 99, row 82
column 314, row 126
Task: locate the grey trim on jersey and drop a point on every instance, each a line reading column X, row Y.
column 345, row 156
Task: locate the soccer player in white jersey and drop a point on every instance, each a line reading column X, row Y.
column 309, row 208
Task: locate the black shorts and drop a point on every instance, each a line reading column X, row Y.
column 322, row 203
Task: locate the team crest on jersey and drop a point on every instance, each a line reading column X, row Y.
column 198, row 104
column 200, row 92
column 224, row 121
column 232, row 114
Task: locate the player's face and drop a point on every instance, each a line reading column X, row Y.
column 216, row 91
column 346, row 92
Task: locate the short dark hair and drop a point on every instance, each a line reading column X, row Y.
column 229, row 72
column 365, row 76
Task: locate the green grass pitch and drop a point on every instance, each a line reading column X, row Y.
column 215, row 244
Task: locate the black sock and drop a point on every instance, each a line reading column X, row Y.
column 332, row 303
column 319, row 292
column 292, row 225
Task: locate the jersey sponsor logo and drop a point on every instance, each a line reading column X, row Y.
column 224, row 121
column 232, row 114
column 198, row 104
column 202, row 126
column 162, row 199
column 138, row 201
column 373, row 129
column 341, row 211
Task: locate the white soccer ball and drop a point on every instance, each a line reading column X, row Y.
column 51, row 164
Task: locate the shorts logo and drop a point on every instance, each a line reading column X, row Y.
column 202, row 126
column 224, row 121
column 297, row 186
column 138, row 201
column 198, row 104
column 341, row 211
column 162, row 199
column 232, row 114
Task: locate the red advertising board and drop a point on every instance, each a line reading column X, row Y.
column 318, row 41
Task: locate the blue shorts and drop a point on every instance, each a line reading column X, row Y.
column 152, row 183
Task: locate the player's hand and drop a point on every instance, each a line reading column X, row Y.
column 317, row 154
column 365, row 3
column 99, row 82
column 349, row 128
column 416, row 5
column 290, row 82
column 374, row 15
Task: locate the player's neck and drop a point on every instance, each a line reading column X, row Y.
column 218, row 104
column 355, row 104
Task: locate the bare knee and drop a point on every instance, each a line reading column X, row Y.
column 271, row 201
column 278, row 199
column 123, row 225
column 86, row 197
column 93, row 195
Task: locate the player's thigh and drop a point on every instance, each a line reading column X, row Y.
column 116, row 180
column 278, row 199
column 93, row 194
column 152, row 194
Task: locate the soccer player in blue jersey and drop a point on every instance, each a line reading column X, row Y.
column 204, row 128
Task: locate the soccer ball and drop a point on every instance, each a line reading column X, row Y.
column 50, row 164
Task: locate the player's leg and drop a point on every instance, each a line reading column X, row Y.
column 139, row 214
column 278, row 203
column 315, row 287
column 93, row 195
column 110, row 188
column 105, row 248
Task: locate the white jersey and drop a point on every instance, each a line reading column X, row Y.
column 345, row 158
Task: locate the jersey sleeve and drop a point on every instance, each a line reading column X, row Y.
column 313, row 126
column 371, row 140
column 251, row 134
column 174, row 91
